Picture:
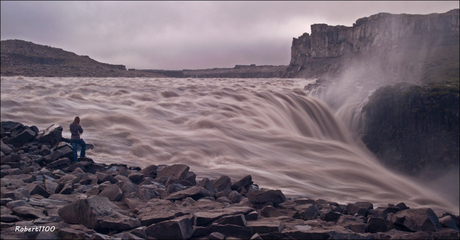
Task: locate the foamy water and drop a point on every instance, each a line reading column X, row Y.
column 268, row 128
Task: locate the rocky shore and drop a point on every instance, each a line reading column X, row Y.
column 46, row 195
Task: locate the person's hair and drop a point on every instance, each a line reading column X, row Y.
column 76, row 121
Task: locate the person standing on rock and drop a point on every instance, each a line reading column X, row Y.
column 76, row 130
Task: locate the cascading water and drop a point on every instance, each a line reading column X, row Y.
column 268, row 128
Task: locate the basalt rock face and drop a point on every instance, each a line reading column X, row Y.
column 414, row 128
column 329, row 49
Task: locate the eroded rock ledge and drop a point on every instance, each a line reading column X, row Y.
column 42, row 187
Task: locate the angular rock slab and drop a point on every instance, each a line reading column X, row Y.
column 267, row 225
column 96, row 212
column 193, row 192
column 307, row 212
column 23, row 137
column 231, row 230
column 222, row 183
column 26, row 211
column 329, row 216
column 265, row 196
column 156, row 217
column 360, row 208
column 52, row 134
column 5, row 148
column 38, row 189
column 422, row 219
column 178, row 171
column 375, row 225
column 246, row 181
column 172, row 229
column 206, row 217
column 112, row 192
column 238, row 219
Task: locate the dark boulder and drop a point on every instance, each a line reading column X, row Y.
column 5, row 148
column 102, row 177
column 207, row 184
column 237, row 219
column 38, row 189
column 269, row 211
column 172, row 229
column 223, row 183
column 193, row 192
column 23, row 137
column 178, row 171
column 234, row 196
column 12, row 158
column 113, row 193
column 97, row 212
column 448, row 222
column 65, row 149
column 422, row 219
column 265, row 196
column 242, row 183
column 44, row 150
column 136, row 177
column 88, row 179
column 59, row 163
column 29, row 212
column 402, row 206
column 203, row 218
column 191, row 178
column 150, row 171
column 267, row 225
column 375, row 225
column 231, row 230
column 329, row 216
column 8, row 125
column 21, row 193
column 156, row 217
column 360, row 208
column 51, row 135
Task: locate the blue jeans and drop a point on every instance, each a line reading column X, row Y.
column 74, row 143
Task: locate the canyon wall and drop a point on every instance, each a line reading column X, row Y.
column 414, row 129
column 329, row 49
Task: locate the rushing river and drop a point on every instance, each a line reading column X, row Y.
column 268, row 128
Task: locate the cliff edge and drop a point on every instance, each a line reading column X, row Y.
column 391, row 39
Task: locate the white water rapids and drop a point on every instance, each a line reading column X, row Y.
column 268, row 128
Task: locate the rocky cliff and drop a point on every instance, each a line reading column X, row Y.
column 414, row 129
column 329, row 49
column 24, row 58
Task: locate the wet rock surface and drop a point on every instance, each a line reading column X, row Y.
column 89, row 200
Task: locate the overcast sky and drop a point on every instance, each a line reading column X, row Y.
column 186, row 35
